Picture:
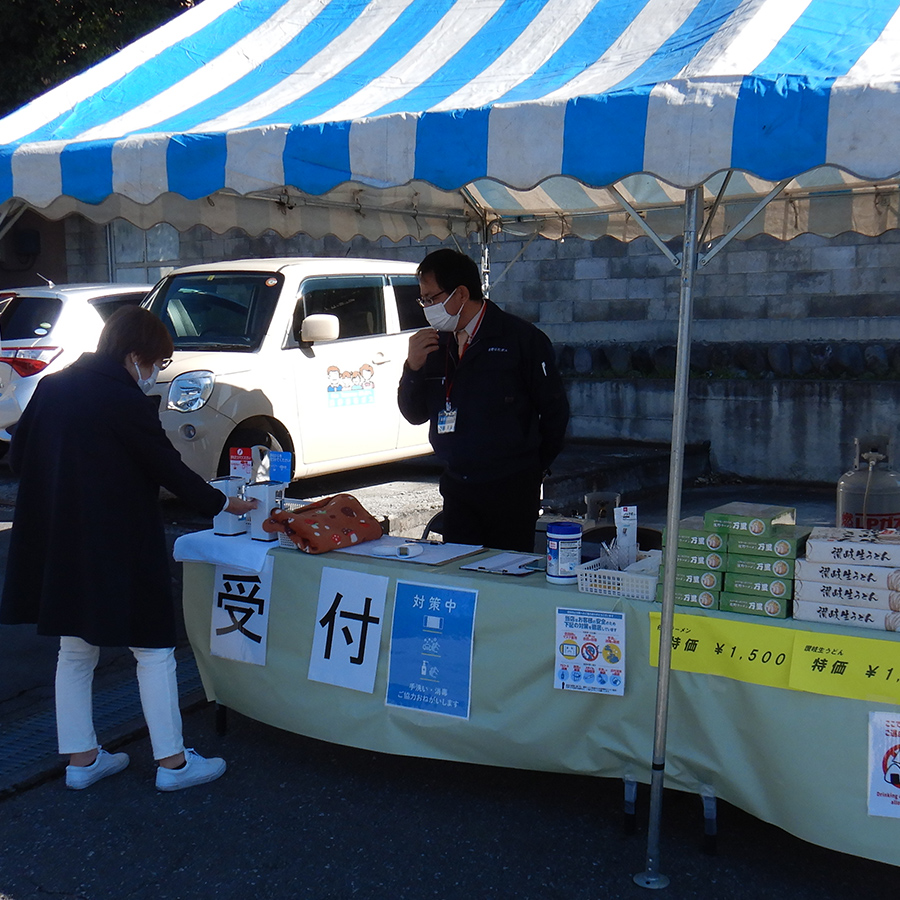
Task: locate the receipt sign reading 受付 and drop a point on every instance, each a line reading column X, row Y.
column 239, row 624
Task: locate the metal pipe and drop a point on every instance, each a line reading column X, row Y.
column 715, row 207
column 639, row 220
column 758, row 207
column 651, row 877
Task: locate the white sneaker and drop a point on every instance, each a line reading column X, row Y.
column 196, row 770
column 80, row 777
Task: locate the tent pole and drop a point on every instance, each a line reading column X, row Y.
column 651, row 877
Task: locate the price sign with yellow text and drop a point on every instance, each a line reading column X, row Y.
column 744, row 651
column 846, row 666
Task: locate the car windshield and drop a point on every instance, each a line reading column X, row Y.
column 217, row 310
column 28, row 318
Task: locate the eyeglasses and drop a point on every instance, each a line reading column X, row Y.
column 430, row 301
column 164, row 364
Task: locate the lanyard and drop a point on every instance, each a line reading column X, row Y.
column 448, row 378
column 475, row 327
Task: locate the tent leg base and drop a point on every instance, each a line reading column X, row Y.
column 651, row 880
column 710, row 826
column 629, row 817
column 221, row 719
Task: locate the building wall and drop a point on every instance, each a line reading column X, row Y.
column 796, row 346
column 32, row 251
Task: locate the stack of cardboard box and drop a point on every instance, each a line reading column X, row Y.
column 700, row 561
column 850, row 576
column 739, row 558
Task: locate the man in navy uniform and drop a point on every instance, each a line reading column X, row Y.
column 487, row 382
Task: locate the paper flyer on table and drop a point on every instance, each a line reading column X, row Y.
column 590, row 651
column 884, row 764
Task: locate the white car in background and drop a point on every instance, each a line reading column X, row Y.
column 43, row 329
column 293, row 354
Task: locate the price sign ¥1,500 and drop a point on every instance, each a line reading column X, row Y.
column 744, row 651
column 839, row 665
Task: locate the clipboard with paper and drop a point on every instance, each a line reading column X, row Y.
column 508, row 564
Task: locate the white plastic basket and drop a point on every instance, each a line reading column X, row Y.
column 595, row 578
column 283, row 539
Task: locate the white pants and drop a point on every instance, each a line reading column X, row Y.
column 156, row 681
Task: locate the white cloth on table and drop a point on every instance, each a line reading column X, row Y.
column 239, row 551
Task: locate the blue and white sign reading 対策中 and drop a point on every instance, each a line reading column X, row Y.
column 431, row 649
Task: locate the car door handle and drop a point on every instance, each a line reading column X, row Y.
column 379, row 359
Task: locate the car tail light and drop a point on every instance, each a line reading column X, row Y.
column 25, row 361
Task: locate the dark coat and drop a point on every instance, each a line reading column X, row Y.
column 87, row 553
column 511, row 404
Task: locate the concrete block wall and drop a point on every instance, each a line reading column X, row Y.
column 87, row 251
column 812, row 288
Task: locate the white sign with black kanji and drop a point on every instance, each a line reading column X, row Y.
column 240, row 613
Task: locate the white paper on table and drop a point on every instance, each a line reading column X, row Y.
column 434, row 553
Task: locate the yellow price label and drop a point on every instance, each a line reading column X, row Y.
column 846, row 666
column 744, row 651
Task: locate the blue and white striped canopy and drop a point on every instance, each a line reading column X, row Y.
column 428, row 115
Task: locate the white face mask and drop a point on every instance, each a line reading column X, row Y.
column 439, row 318
column 146, row 384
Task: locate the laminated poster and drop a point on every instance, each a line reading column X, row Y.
column 884, row 764
column 431, row 649
column 590, row 651
column 239, row 624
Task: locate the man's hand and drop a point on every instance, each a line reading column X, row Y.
column 420, row 345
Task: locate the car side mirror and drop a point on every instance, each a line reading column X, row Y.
column 320, row 327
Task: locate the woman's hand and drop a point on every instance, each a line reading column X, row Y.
column 238, row 507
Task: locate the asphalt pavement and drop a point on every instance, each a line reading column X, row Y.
column 299, row 818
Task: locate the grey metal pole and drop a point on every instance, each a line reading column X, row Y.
column 651, row 877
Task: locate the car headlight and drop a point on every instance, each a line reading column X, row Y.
column 190, row 391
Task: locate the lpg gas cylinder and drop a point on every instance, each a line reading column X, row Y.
column 868, row 496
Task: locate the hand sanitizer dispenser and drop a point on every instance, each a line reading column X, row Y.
column 270, row 495
column 226, row 523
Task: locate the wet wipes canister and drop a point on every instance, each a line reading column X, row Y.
column 563, row 552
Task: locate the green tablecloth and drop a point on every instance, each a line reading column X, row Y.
column 795, row 759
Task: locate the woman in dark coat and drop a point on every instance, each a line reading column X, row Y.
column 87, row 558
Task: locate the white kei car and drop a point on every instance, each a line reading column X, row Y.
column 296, row 354
column 43, row 329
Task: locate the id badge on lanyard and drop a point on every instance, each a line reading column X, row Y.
column 446, row 420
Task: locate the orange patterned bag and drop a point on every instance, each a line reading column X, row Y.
column 329, row 524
